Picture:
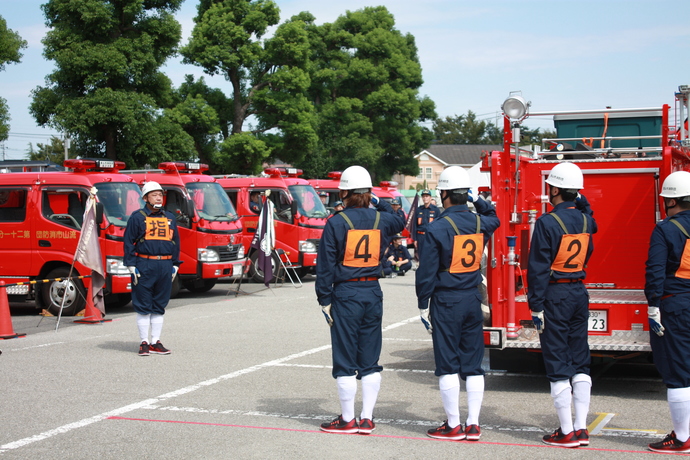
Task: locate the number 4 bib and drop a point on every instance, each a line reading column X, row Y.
column 362, row 247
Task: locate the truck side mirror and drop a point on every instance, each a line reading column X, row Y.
column 190, row 209
column 293, row 211
column 99, row 213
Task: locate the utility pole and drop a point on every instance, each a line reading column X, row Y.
column 66, row 147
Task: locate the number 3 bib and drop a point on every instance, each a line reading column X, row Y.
column 467, row 250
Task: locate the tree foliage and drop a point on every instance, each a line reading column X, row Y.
column 11, row 45
column 107, row 91
column 268, row 77
column 365, row 77
column 467, row 129
column 54, row 151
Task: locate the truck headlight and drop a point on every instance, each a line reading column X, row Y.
column 307, row 246
column 115, row 266
column 208, row 255
column 240, row 253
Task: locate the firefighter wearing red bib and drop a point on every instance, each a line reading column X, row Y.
column 347, row 271
column 152, row 255
column 560, row 248
column 667, row 289
column 449, row 300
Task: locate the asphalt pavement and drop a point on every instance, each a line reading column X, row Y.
column 249, row 377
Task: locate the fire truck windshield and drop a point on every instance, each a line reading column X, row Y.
column 308, row 202
column 211, row 201
column 120, row 200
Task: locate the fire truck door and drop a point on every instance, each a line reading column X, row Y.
column 57, row 232
column 15, row 231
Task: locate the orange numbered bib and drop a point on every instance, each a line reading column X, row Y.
column 362, row 248
column 467, row 253
column 571, row 253
column 684, row 268
column 158, row 228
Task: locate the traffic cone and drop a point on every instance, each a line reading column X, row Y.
column 91, row 314
column 6, row 329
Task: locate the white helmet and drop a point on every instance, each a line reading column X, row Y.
column 566, row 176
column 454, row 177
column 355, row 178
column 676, row 185
column 150, row 187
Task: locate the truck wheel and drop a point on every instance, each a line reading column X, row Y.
column 199, row 286
column 256, row 273
column 72, row 290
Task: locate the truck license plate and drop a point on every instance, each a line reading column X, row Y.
column 598, row 321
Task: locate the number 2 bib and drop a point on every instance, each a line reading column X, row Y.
column 572, row 251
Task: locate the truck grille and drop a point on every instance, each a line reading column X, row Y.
column 227, row 253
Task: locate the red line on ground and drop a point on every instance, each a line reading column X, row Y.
column 375, row 435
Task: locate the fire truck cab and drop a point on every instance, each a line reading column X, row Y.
column 41, row 214
column 299, row 218
column 210, row 230
column 624, row 155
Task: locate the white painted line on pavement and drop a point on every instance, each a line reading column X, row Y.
column 149, row 402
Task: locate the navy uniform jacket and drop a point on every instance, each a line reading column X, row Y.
column 425, row 216
column 400, row 253
column 432, row 274
column 545, row 243
column 401, row 213
column 136, row 228
column 665, row 250
column 329, row 267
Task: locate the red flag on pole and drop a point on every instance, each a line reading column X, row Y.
column 89, row 251
column 265, row 240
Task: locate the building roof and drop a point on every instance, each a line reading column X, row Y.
column 459, row 154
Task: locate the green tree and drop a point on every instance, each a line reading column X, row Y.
column 10, row 46
column 466, row 129
column 365, row 79
column 107, row 91
column 54, row 151
column 268, row 78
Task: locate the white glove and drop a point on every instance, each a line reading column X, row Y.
column 470, row 196
column 174, row 271
column 538, row 320
column 327, row 313
column 655, row 321
column 424, row 315
column 135, row 274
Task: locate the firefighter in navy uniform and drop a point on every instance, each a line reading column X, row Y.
column 152, row 255
column 426, row 213
column 559, row 303
column 667, row 289
column 397, row 208
column 449, row 275
column 347, row 272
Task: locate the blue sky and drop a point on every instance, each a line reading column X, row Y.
column 562, row 54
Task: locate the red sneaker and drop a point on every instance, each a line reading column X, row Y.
column 338, row 425
column 366, row 426
column 158, row 349
column 446, row 432
column 582, row 436
column 561, row 440
column 671, row 444
column 473, row 432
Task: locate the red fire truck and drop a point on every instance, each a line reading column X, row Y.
column 40, row 220
column 210, row 230
column 299, row 216
column 624, row 155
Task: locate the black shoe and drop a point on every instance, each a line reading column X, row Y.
column 337, row 425
column 558, row 438
column 144, row 349
column 366, row 426
column 670, row 444
column 158, row 349
column 446, row 432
